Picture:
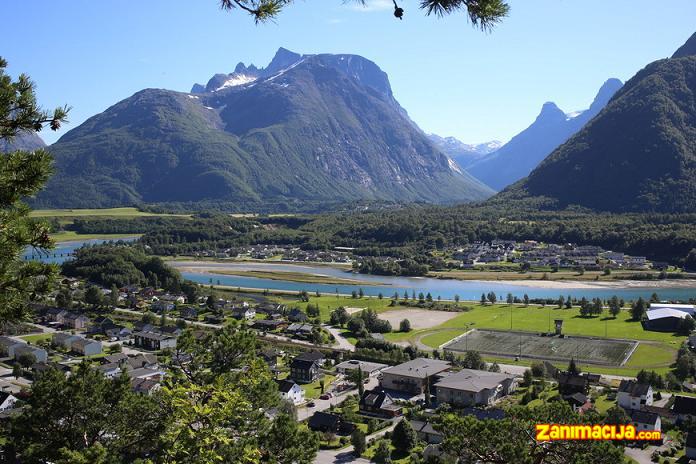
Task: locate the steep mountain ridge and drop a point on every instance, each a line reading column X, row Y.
column 526, row 150
column 315, row 128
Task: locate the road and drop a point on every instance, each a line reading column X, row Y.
column 304, row 412
column 346, row 454
column 343, row 343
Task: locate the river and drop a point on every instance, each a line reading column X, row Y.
column 201, row 272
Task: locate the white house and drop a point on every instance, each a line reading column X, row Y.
column 290, row 391
column 7, row 401
column 633, row 395
column 644, row 420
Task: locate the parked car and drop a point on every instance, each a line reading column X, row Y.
column 311, row 404
column 325, row 396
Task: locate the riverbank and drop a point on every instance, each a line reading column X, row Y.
column 284, row 276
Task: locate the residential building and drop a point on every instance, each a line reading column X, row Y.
column 412, row 376
column 86, row 347
column 7, row 401
column 684, row 407
column 634, row 395
column 154, row 341
column 63, row 340
column 572, row 383
column 369, row 369
column 8, row 345
column 145, row 386
column 40, row 355
column 470, row 387
column 244, row 313
column 296, row 315
column 644, row 420
column 75, row 321
column 313, row 355
column 426, row 432
column 380, row 403
column 291, row 391
column 304, row 371
column 329, row 422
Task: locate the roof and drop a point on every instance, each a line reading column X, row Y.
column 144, row 373
column 572, row 379
column 684, row 405
column 313, row 355
column 577, row 398
column 7, row 341
column 4, row 395
column 687, row 308
column 153, row 336
column 365, row 366
column 473, row 380
column 633, row 388
column 324, row 419
column 376, row 398
column 82, row 342
column 115, row 358
column 144, row 385
column 418, row 368
column 424, row 427
column 285, row 386
column 691, row 440
column 302, row 364
column 663, row 313
column 644, row 417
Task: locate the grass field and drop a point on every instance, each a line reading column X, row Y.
column 36, row 338
column 657, row 351
column 74, row 236
column 589, row 350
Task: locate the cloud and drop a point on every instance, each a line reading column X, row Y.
column 370, row 5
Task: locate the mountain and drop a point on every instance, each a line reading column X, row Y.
column 638, row 154
column 463, row 153
column 305, row 129
column 688, row 49
column 526, row 150
column 24, row 141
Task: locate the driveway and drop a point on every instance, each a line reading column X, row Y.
column 346, row 454
column 304, row 413
column 342, row 342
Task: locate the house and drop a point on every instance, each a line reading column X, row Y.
column 55, row 315
column 369, row 369
column 634, row 395
column 145, row 386
column 140, row 326
column 684, row 407
column 40, row 355
column 189, row 313
column 75, row 321
column 154, row 341
column 328, row 422
column 304, row 371
column 426, row 432
column 161, row 306
column 569, row 383
column 7, row 401
column 412, row 376
column 39, row 368
column 141, row 360
column 290, row 391
column 118, row 358
column 644, row 420
column 298, row 328
column 111, row 370
column 313, row 355
column 270, row 357
column 690, row 445
column 118, row 332
column 380, row 403
column 243, row 313
column 8, row 345
column 295, row 315
column 664, row 319
column 579, row 401
column 63, row 340
column 86, row 347
column 266, row 325
column 470, row 387
column 145, row 373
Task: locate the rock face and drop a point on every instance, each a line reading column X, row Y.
column 517, row 158
column 24, row 141
column 464, row 154
column 320, row 128
column 638, row 154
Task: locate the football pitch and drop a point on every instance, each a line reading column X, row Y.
column 531, row 345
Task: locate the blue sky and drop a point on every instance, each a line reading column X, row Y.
column 452, row 78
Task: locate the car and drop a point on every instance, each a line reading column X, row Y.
column 325, row 396
column 311, row 404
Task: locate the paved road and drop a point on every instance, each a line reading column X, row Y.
column 345, row 455
column 343, row 343
column 304, row 412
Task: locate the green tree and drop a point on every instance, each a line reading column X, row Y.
column 510, row 440
column 382, row 452
column 638, row 309
column 404, row 438
column 405, row 326
column 22, row 175
column 484, row 14
column 83, row 411
column 357, row 439
column 686, row 325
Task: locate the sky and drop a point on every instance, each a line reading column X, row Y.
column 453, row 79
